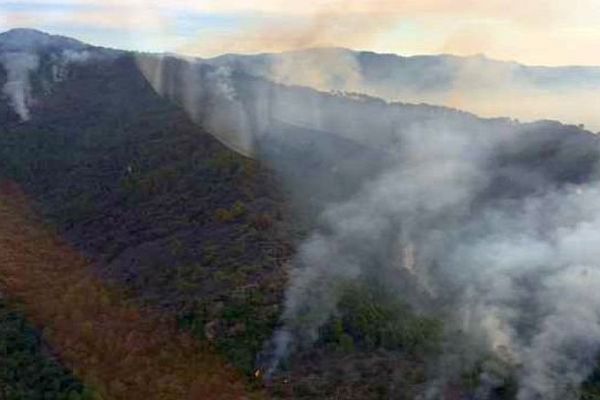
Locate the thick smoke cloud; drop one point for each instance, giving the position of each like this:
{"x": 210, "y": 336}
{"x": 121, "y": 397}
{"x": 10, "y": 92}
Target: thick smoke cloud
{"x": 18, "y": 66}
{"x": 519, "y": 276}
{"x": 488, "y": 225}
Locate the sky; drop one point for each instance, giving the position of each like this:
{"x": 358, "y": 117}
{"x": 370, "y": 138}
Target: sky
{"x": 539, "y": 32}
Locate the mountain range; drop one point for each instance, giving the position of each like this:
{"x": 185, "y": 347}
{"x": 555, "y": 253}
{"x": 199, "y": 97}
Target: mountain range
{"x": 484, "y": 86}
{"x": 299, "y": 196}
{"x": 477, "y": 84}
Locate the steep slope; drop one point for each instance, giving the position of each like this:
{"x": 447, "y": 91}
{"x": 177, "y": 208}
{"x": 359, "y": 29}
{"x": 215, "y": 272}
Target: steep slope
{"x": 161, "y": 208}
{"x": 442, "y": 207}
{"x": 121, "y": 351}
{"x": 156, "y": 202}
{"x": 256, "y": 117}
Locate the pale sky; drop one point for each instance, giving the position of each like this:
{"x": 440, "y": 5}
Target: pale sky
{"x": 542, "y": 32}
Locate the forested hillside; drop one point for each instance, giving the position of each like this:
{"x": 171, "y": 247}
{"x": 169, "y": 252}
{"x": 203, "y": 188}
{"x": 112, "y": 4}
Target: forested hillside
{"x": 162, "y": 211}
{"x": 142, "y": 243}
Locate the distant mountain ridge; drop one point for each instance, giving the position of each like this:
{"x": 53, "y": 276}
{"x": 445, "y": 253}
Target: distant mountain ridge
{"x": 22, "y": 39}
{"x": 478, "y": 84}
{"x": 437, "y": 70}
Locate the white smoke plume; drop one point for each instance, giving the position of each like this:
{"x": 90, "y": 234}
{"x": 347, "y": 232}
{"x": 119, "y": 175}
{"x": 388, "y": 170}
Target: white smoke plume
{"x": 62, "y": 62}
{"x": 78, "y": 56}
{"x": 222, "y": 78}
{"x": 519, "y": 275}
{"x": 18, "y": 66}
{"x": 490, "y": 226}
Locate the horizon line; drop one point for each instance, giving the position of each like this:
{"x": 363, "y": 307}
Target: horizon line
{"x": 301, "y": 49}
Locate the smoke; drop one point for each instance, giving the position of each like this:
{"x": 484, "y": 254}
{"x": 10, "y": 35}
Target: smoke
{"x": 478, "y": 86}
{"x": 207, "y": 95}
{"x": 222, "y": 78}
{"x": 77, "y": 56}
{"x": 489, "y": 226}
{"x": 19, "y": 66}
{"x": 323, "y": 25}
{"x": 62, "y": 62}
{"x": 518, "y": 276}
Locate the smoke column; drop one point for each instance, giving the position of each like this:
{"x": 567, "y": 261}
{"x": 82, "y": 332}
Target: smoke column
{"x": 18, "y": 66}
{"x": 489, "y": 225}
{"x": 517, "y": 274}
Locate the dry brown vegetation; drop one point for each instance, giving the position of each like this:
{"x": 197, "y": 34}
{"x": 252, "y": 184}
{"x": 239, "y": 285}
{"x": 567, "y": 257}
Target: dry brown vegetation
{"x": 121, "y": 351}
